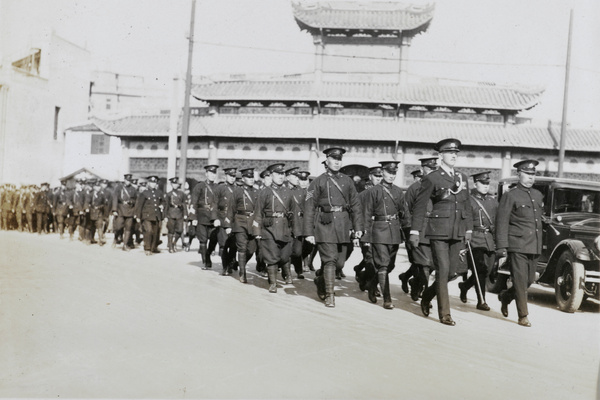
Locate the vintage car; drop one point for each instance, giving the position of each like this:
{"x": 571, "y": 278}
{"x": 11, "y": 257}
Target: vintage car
{"x": 570, "y": 259}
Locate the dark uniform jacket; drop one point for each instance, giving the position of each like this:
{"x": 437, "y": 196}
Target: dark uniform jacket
{"x": 273, "y": 218}
{"x": 203, "y": 201}
{"x": 78, "y": 201}
{"x": 451, "y": 214}
{"x": 483, "y": 227}
{"x": 8, "y": 200}
{"x": 343, "y": 207}
{"x": 175, "y": 205}
{"x": 149, "y": 205}
{"x": 299, "y": 197}
{"x": 383, "y": 207}
{"x": 222, "y": 202}
{"x": 123, "y": 200}
{"x": 97, "y": 204}
{"x": 243, "y": 208}
{"x": 61, "y": 201}
{"x": 519, "y": 221}
{"x": 41, "y": 203}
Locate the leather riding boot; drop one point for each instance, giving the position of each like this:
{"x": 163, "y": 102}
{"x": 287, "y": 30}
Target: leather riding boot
{"x": 206, "y": 263}
{"x": 384, "y": 283}
{"x": 372, "y": 288}
{"x": 175, "y": 240}
{"x": 287, "y": 273}
{"x": 329, "y": 277}
{"x": 272, "y": 273}
{"x": 242, "y": 264}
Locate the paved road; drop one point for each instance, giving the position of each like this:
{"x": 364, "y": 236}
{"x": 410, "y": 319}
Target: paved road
{"x": 84, "y": 321}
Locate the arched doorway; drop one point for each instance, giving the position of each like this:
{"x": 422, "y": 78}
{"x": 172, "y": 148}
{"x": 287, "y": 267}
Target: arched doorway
{"x": 355, "y": 170}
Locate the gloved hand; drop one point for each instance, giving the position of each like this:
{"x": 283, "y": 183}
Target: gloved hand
{"x": 414, "y": 240}
{"x": 310, "y": 239}
{"x": 227, "y": 231}
{"x": 500, "y": 253}
{"x": 217, "y": 223}
{"x": 468, "y": 236}
{"x": 358, "y": 234}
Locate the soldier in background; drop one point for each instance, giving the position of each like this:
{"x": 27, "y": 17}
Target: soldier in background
{"x": 123, "y": 208}
{"x": 222, "y": 232}
{"x": 383, "y": 207}
{"x": 203, "y": 201}
{"x": 420, "y": 258}
{"x": 42, "y": 208}
{"x": 449, "y": 224}
{"x": 189, "y": 226}
{"x": 61, "y": 202}
{"x": 148, "y": 212}
{"x": 77, "y": 210}
{"x": 266, "y": 181}
{"x": 96, "y": 205}
{"x": 7, "y": 205}
{"x": 364, "y": 272}
{"x": 30, "y": 208}
{"x": 20, "y": 207}
{"x": 273, "y": 225}
{"x": 519, "y": 232}
{"x": 307, "y": 247}
{"x": 298, "y": 194}
{"x": 332, "y": 212}
{"x": 108, "y": 195}
{"x": 241, "y": 213}
{"x": 176, "y": 213}
{"x": 484, "y": 207}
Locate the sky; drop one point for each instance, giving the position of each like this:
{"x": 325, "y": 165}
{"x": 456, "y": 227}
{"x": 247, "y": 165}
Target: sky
{"x": 515, "y": 42}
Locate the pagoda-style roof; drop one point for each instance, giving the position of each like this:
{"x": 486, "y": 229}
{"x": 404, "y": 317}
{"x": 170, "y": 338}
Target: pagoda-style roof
{"x": 358, "y": 128}
{"x": 478, "y": 96}
{"x": 363, "y": 16}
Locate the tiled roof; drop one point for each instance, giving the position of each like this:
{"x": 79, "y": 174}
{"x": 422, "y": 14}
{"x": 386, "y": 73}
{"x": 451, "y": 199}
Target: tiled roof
{"x": 363, "y": 15}
{"x": 358, "y": 128}
{"x": 486, "y": 97}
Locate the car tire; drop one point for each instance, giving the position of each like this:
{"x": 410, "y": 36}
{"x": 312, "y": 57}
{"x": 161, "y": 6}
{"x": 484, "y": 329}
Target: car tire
{"x": 496, "y": 282}
{"x": 569, "y": 281}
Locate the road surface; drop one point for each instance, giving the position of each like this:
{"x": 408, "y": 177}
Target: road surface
{"x": 83, "y": 321}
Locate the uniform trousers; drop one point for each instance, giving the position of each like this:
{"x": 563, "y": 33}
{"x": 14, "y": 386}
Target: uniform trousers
{"x": 175, "y": 225}
{"x": 275, "y": 252}
{"x": 484, "y": 262}
{"x": 522, "y": 272}
{"x": 42, "y": 222}
{"x": 245, "y": 243}
{"x": 445, "y": 261}
{"x": 151, "y": 231}
{"x": 204, "y": 232}
{"x": 333, "y": 254}
{"x": 384, "y": 255}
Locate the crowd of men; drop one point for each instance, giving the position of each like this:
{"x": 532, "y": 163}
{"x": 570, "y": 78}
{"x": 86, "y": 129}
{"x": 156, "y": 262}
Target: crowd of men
{"x": 286, "y": 218}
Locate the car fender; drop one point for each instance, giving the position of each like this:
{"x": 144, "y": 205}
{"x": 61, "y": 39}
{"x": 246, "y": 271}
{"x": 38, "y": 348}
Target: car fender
{"x": 576, "y": 247}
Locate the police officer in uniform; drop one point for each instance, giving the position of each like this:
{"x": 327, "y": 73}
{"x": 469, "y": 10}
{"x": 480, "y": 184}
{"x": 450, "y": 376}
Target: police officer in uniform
{"x": 176, "y": 213}
{"x": 96, "y": 205}
{"x": 298, "y": 194}
{"x": 383, "y": 207}
{"x": 273, "y": 225}
{"x": 77, "y": 209}
{"x": 449, "y": 224}
{"x": 223, "y": 197}
{"x": 148, "y": 211}
{"x": 364, "y": 272}
{"x": 484, "y": 207}
{"x": 42, "y": 208}
{"x": 123, "y": 208}
{"x": 242, "y": 213}
{"x": 203, "y": 201}
{"x": 420, "y": 258}
{"x": 332, "y": 214}
{"x": 519, "y": 231}
{"x": 60, "y": 206}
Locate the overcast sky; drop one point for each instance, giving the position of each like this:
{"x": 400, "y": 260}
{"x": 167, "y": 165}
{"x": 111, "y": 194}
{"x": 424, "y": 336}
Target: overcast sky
{"x": 519, "y": 42}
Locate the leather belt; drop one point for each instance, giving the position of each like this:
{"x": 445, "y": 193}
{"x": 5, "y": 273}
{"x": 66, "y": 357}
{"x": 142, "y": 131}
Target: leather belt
{"x": 275, "y": 215}
{"x": 204, "y": 207}
{"x": 481, "y": 229}
{"x": 332, "y": 209}
{"x": 246, "y": 213}
{"x": 384, "y": 217}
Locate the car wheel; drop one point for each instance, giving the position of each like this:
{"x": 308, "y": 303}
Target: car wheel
{"x": 569, "y": 282}
{"x": 495, "y": 281}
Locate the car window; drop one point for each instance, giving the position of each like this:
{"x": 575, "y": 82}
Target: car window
{"x": 576, "y": 200}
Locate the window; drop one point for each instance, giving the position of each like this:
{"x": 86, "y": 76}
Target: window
{"x": 56, "y": 112}
{"x": 246, "y": 148}
{"x": 100, "y": 144}
{"x": 108, "y": 104}
{"x": 295, "y": 148}
{"x": 262, "y": 148}
{"x": 230, "y": 147}
{"x": 139, "y": 147}
{"x": 31, "y": 63}
{"x": 279, "y": 148}
{"x": 154, "y": 147}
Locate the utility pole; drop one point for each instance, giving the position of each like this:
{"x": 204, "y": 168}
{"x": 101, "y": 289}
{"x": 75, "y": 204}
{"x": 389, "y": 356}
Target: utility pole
{"x": 185, "y": 127}
{"x": 563, "y": 125}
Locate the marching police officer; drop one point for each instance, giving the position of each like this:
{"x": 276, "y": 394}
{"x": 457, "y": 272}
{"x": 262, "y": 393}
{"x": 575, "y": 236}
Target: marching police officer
{"x": 449, "y": 224}
{"x": 42, "y": 208}
{"x": 96, "y": 205}
{"x": 242, "y": 213}
{"x": 519, "y": 231}
{"x": 484, "y": 207}
{"x": 223, "y": 197}
{"x": 298, "y": 194}
{"x": 420, "y": 258}
{"x": 148, "y": 211}
{"x": 273, "y": 225}
{"x": 123, "y": 208}
{"x": 203, "y": 201}
{"x": 383, "y": 207}
{"x": 176, "y": 213}
{"x": 61, "y": 201}
{"x": 332, "y": 214}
